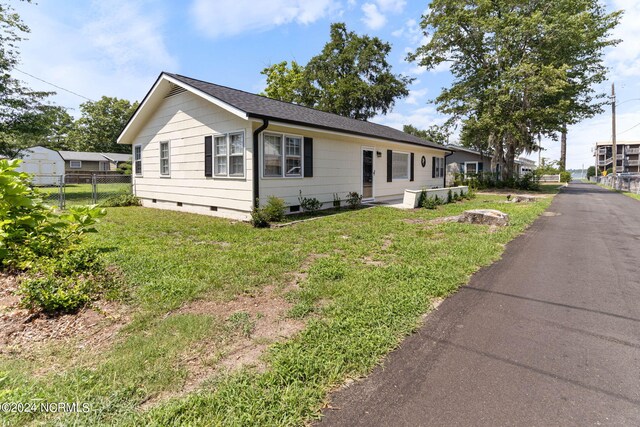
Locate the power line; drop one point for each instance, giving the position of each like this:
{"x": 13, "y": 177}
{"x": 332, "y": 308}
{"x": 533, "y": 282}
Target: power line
{"x": 54, "y": 85}
{"x": 632, "y": 127}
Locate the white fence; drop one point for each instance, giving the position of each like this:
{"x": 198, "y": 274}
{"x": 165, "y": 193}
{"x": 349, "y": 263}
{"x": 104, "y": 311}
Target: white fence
{"x": 550, "y": 178}
{"x": 412, "y": 197}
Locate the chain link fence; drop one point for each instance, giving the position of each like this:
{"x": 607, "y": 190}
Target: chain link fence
{"x": 62, "y": 191}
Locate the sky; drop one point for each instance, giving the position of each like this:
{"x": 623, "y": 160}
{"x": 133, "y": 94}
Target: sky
{"x": 119, "y": 47}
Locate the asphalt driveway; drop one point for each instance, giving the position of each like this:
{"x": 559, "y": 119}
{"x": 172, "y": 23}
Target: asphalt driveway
{"x": 549, "y": 335}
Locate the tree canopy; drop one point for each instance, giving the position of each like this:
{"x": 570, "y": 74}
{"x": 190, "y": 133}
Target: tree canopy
{"x": 435, "y": 133}
{"x": 22, "y": 110}
{"x": 100, "y": 125}
{"x": 521, "y": 68}
{"x": 350, "y": 77}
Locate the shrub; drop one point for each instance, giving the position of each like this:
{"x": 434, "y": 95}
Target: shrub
{"x": 59, "y": 275}
{"x": 430, "y": 202}
{"x": 450, "y": 196}
{"x": 336, "y": 201}
{"x": 309, "y": 204}
{"x": 565, "y": 176}
{"x": 274, "y": 209}
{"x": 354, "y": 199}
{"x": 259, "y": 218}
{"x": 121, "y": 200}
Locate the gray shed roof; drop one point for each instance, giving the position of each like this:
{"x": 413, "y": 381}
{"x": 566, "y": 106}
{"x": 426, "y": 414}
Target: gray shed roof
{"x": 261, "y": 107}
{"x": 87, "y": 156}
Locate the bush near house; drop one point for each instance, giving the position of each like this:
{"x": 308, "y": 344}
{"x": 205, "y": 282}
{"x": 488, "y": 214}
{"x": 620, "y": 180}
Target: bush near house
{"x": 485, "y": 180}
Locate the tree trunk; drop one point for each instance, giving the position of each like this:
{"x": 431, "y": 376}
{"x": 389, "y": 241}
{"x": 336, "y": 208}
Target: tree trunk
{"x": 563, "y": 148}
{"x": 509, "y": 158}
{"x": 497, "y": 159}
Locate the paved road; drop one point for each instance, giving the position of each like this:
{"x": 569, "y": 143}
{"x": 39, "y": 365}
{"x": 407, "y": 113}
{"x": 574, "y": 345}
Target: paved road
{"x": 549, "y": 335}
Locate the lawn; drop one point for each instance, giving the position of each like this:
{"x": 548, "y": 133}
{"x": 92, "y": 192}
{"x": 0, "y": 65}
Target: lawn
{"x": 364, "y": 277}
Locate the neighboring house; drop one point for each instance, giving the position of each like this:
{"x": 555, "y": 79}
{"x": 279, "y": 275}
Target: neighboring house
{"x": 627, "y": 159}
{"x": 467, "y": 161}
{"x": 210, "y": 149}
{"x": 88, "y": 162}
{"x": 45, "y": 164}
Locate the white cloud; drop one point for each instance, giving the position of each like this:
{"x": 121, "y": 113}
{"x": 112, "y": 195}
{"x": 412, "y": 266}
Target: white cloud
{"x": 374, "y": 12}
{"x": 115, "y": 51}
{"x": 625, "y": 57}
{"x": 417, "y": 96}
{"x": 421, "y": 118}
{"x": 372, "y": 17}
{"x": 232, "y": 17}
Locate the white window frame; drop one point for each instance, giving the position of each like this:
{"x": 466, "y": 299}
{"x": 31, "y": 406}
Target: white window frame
{"x": 168, "y": 158}
{"x": 104, "y": 166}
{"x": 466, "y": 171}
{"x": 402, "y": 178}
{"x": 227, "y": 155}
{"x": 137, "y": 171}
{"x": 283, "y": 157}
{"x": 75, "y": 162}
{"x": 440, "y": 172}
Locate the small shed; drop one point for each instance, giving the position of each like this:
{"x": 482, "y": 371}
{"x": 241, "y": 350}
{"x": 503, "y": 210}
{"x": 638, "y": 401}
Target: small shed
{"x": 46, "y": 165}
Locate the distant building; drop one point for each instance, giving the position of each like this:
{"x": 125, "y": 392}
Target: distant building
{"x": 83, "y": 162}
{"x": 627, "y": 159}
{"x": 467, "y": 161}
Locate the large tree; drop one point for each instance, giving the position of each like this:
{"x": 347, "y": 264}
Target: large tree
{"x": 350, "y": 77}
{"x": 100, "y": 125}
{"x": 21, "y": 109}
{"x": 521, "y": 67}
{"x": 434, "y": 133}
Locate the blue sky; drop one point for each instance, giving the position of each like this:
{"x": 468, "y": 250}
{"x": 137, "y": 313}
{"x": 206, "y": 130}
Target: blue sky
{"x": 118, "y": 48}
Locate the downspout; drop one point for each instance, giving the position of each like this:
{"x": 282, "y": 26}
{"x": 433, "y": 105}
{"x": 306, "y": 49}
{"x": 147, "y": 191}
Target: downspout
{"x": 256, "y": 162}
{"x": 445, "y": 169}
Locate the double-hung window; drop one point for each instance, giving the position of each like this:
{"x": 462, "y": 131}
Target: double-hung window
{"x": 293, "y": 156}
{"x": 282, "y": 155}
{"x": 165, "y": 169}
{"x": 228, "y": 153}
{"x": 400, "y": 165}
{"x": 439, "y": 167}
{"x": 75, "y": 164}
{"x": 137, "y": 159}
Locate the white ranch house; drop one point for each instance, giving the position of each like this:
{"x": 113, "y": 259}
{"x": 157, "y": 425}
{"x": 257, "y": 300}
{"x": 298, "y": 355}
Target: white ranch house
{"x": 209, "y": 149}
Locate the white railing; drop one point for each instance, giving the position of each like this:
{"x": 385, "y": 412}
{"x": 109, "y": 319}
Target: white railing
{"x": 550, "y": 178}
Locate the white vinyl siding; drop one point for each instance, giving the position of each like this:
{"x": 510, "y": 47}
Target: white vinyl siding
{"x": 137, "y": 159}
{"x": 75, "y": 164}
{"x": 400, "y": 165}
{"x": 165, "y": 168}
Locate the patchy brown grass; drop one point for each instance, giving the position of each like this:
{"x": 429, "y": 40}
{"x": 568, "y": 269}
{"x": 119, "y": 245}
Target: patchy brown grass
{"x": 25, "y": 333}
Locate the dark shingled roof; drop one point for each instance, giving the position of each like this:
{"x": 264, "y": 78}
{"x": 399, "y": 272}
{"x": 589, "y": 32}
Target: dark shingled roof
{"x": 258, "y": 106}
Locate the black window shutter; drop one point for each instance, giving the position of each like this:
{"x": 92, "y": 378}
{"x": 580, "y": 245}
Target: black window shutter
{"x": 389, "y": 165}
{"x": 208, "y": 156}
{"x": 433, "y": 167}
{"x": 480, "y": 166}
{"x": 412, "y": 166}
{"x": 308, "y": 157}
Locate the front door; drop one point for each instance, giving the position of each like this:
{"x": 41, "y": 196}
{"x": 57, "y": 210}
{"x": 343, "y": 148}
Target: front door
{"x": 367, "y": 173}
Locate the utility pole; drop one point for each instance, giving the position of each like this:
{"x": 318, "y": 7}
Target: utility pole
{"x": 614, "y": 149}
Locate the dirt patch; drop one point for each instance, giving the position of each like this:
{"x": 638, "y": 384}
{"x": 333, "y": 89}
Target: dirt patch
{"x": 23, "y": 332}
{"x": 264, "y": 311}
{"x": 370, "y": 261}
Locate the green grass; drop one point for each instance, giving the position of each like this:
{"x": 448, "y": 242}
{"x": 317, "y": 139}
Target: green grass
{"x": 356, "y": 312}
